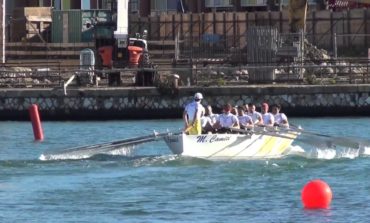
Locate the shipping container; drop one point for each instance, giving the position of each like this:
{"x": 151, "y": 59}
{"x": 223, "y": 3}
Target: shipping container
{"x": 89, "y": 19}
{"x": 66, "y": 26}
{"x": 73, "y": 26}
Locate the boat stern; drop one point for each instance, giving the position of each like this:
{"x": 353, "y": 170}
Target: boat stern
{"x": 175, "y": 143}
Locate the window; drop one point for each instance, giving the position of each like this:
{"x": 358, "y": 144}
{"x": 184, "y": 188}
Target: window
{"x": 57, "y": 4}
{"x": 106, "y": 4}
{"x": 218, "y": 3}
{"x": 134, "y": 5}
{"x": 309, "y": 2}
{"x": 251, "y": 3}
{"x": 158, "y": 5}
{"x": 85, "y": 4}
{"x": 284, "y": 2}
{"x": 163, "y": 5}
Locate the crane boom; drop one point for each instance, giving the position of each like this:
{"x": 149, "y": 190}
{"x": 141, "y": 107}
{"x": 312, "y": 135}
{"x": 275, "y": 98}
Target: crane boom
{"x": 297, "y": 15}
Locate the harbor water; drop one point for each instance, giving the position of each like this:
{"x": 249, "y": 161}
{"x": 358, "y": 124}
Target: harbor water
{"x": 146, "y": 183}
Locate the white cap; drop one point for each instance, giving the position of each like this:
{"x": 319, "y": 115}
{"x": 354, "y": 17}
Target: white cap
{"x": 198, "y": 96}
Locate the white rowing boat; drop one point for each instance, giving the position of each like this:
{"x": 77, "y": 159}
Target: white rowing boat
{"x": 232, "y": 146}
{"x": 259, "y": 143}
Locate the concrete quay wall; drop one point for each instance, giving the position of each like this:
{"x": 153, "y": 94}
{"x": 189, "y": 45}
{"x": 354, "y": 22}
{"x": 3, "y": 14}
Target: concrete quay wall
{"x": 149, "y": 103}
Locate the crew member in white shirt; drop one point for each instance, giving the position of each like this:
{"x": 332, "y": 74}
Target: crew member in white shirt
{"x": 192, "y": 115}
{"x": 226, "y": 120}
{"x": 210, "y": 113}
{"x": 256, "y": 116}
{"x": 245, "y": 121}
{"x": 208, "y": 120}
{"x": 280, "y": 118}
{"x": 267, "y": 117}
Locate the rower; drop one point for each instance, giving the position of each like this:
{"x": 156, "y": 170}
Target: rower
{"x": 226, "y": 120}
{"x": 280, "y": 118}
{"x": 208, "y": 120}
{"x": 256, "y": 116}
{"x": 210, "y": 114}
{"x": 267, "y": 117}
{"x": 245, "y": 121}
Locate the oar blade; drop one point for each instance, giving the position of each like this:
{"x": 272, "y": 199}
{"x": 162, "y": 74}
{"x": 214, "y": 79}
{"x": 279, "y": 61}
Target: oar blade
{"x": 343, "y": 141}
{"x": 84, "y": 152}
{"x": 311, "y": 138}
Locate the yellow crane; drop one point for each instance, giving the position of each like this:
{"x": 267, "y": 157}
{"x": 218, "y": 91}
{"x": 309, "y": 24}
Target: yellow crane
{"x": 297, "y": 15}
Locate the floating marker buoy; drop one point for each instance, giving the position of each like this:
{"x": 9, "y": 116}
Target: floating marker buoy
{"x": 316, "y": 194}
{"x": 36, "y": 123}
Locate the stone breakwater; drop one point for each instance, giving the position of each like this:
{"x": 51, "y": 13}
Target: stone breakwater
{"x": 145, "y": 103}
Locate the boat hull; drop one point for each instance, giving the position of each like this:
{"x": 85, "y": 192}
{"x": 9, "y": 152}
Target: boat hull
{"x": 230, "y": 146}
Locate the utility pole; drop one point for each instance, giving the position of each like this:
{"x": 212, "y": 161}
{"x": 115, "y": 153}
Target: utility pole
{"x": 3, "y": 31}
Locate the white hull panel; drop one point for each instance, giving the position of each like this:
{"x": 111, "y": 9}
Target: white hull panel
{"x": 230, "y": 146}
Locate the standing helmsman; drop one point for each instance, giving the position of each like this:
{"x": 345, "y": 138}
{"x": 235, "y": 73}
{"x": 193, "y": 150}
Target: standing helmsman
{"x": 192, "y": 114}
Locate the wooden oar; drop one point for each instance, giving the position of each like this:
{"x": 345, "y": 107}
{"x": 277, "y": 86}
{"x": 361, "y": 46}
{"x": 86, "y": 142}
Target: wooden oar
{"x": 318, "y": 139}
{"x": 351, "y": 142}
{"x": 269, "y": 133}
{"x": 110, "y": 146}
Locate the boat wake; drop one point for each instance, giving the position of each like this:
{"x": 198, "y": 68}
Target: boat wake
{"x": 366, "y": 151}
{"x": 295, "y": 150}
{"x": 314, "y": 151}
{"x": 123, "y": 157}
{"x": 77, "y": 154}
{"x": 328, "y": 153}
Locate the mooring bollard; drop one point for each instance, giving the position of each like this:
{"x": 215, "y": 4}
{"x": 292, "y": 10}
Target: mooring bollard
{"x": 36, "y": 123}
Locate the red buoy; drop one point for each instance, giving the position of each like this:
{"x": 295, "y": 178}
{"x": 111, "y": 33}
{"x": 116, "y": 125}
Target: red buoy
{"x": 316, "y": 194}
{"x": 36, "y": 123}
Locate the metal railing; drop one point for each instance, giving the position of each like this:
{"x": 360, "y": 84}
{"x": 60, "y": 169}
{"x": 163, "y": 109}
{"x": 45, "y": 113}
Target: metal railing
{"x": 349, "y": 71}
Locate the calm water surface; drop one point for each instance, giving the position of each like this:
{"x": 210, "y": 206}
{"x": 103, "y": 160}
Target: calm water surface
{"x": 151, "y": 185}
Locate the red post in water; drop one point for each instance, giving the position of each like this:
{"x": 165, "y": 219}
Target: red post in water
{"x": 36, "y": 123}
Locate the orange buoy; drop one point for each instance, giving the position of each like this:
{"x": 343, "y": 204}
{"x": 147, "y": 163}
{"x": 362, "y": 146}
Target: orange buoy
{"x": 316, "y": 194}
{"x": 36, "y": 123}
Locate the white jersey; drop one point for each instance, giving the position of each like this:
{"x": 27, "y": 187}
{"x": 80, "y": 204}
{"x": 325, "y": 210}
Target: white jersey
{"x": 204, "y": 120}
{"x": 280, "y": 117}
{"x": 214, "y": 118}
{"x": 268, "y": 118}
{"x": 256, "y": 116}
{"x": 191, "y": 108}
{"x": 211, "y": 119}
{"x": 227, "y": 120}
{"x": 245, "y": 120}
